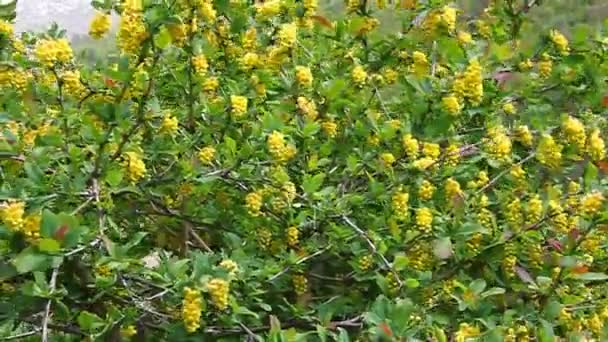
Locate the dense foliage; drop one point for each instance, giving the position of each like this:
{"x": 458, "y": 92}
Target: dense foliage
{"x": 259, "y": 172}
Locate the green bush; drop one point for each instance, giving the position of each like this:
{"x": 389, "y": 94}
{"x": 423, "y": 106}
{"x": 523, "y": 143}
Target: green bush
{"x": 260, "y": 172}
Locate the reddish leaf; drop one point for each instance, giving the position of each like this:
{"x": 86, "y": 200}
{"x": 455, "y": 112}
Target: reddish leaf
{"x": 574, "y": 234}
{"x": 109, "y": 82}
{"x": 555, "y": 244}
{"x": 386, "y": 329}
{"x": 603, "y": 165}
{"x": 605, "y": 101}
{"x": 322, "y": 21}
{"x": 580, "y": 269}
{"x": 60, "y": 233}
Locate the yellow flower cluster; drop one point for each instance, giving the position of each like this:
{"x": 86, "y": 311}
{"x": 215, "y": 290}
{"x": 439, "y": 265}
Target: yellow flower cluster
{"x": 545, "y": 66}
{"x": 424, "y": 219}
{"x": 219, "y": 290}
{"x": 206, "y": 155}
{"x": 169, "y": 125}
{"x": 387, "y": 159}
{"x": 523, "y": 135}
{"x": 238, "y": 105}
{"x": 100, "y": 25}
{"x": 534, "y": 209}
{"x": 253, "y": 202}
{"x": 128, "y": 331}
{"x": 400, "y": 207}
{"x": 548, "y": 152}
{"x": 574, "y": 131}
{"x": 411, "y": 146}
{"x": 365, "y": 262}
{"x": 136, "y": 168}
{"x": 560, "y": 41}
{"x": 498, "y": 144}
{"x": 280, "y": 150}
{"x": 288, "y": 34}
{"x": 191, "y": 309}
{"x": 420, "y": 64}
{"x": 12, "y": 214}
{"x": 6, "y": 28}
{"x": 330, "y": 128}
{"x": 304, "y": 76}
{"x": 31, "y": 227}
{"x": 132, "y": 30}
{"x": 267, "y": 9}
{"x": 592, "y": 203}
{"x": 426, "y": 190}
{"x": 231, "y": 266}
{"x": 293, "y": 236}
{"x": 596, "y": 146}
{"x": 200, "y": 64}
{"x": 469, "y": 84}
{"x": 451, "y": 105}
{"x": 51, "y": 51}
{"x": 359, "y": 75}
{"x": 300, "y": 284}
{"x": 308, "y": 108}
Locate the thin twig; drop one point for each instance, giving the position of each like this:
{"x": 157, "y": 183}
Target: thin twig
{"x": 304, "y": 259}
{"x": 198, "y": 239}
{"x": 47, "y": 309}
{"x": 373, "y": 247}
{"x": 82, "y": 206}
{"x": 22, "y": 335}
{"x": 502, "y": 173}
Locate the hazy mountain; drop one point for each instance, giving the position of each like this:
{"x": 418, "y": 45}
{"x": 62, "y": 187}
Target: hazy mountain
{"x": 72, "y": 15}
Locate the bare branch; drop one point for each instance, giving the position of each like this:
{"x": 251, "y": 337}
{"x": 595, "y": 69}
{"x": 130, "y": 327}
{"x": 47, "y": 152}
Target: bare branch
{"x": 504, "y": 172}
{"x": 373, "y": 248}
{"x": 304, "y": 259}
{"x": 47, "y": 309}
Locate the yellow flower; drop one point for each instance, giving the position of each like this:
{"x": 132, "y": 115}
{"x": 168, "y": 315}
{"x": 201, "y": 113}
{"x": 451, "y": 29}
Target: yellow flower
{"x": 596, "y": 146}
{"x": 451, "y": 105}
{"x": 191, "y": 309}
{"x": 300, "y": 284}
{"x": 128, "y": 331}
{"x": 448, "y": 17}
{"x": 411, "y": 146}
{"x": 12, "y": 214}
{"x": 452, "y": 188}
{"x": 100, "y": 25}
{"x": 464, "y": 37}
{"x": 574, "y": 130}
{"x": 359, "y": 75}
{"x": 136, "y": 169}
{"x": 498, "y": 144}
{"x": 592, "y": 203}
{"x": 231, "y": 266}
{"x": 200, "y": 64}
{"x": 308, "y": 108}
{"x": 426, "y": 190}
{"x": 509, "y": 108}
{"x": 545, "y": 66}
{"x": 303, "y": 76}
{"x": 51, "y": 51}
{"x": 431, "y": 150}
{"x": 169, "y": 125}
{"x": 6, "y": 28}
{"x": 238, "y": 105}
{"x": 387, "y": 159}
{"x": 421, "y": 63}
{"x": 523, "y": 135}
{"x": 253, "y": 202}
{"x": 400, "y": 204}
{"x": 548, "y": 152}
{"x": 206, "y": 155}
{"x": 330, "y": 128}
{"x": 424, "y": 219}
{"x": 31, "y": 226}
{"x": 288, "y": 34}
{"x": 469, "y": 84}
{"x": 219, "y": 291}
{"x": 132, "y": 30}
{"x": 267, "y": 9}
{"x": 293, "y": 236}
{"x": 560, "y": 41}
{"x": 211, "y": 84}
{"x": 280, "y": 150}
{"x": 465, "y": 331}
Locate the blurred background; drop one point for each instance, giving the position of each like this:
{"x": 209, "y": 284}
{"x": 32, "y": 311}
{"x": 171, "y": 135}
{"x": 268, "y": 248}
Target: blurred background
{"x": 569, "y": 16}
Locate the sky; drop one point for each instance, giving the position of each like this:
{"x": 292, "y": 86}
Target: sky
{"x": 72, "y": 15}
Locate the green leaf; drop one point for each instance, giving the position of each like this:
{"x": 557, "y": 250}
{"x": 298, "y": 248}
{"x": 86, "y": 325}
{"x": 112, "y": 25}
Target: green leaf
{"x": 28, "y": 260}
{"x": 546, "y": 333}
{"x": 590, "y": 174}
{"x": 312, "y": 183}
{"x": 163, "y": 38}
{"x": 48, "y": 224}
{"x": 49, "y": 245}
{"x": 114, "y": 176}
{"x": 477, "y": 286}
{"x": 493, "y": 292}
{"x": 400, "y": 262}
{"x": 310, "y": 129}
{"x": 343, "y": 336}
{"x": 89, "y": 321}
{"x": 412, "y": 283}
{"x": 590, "y": 276}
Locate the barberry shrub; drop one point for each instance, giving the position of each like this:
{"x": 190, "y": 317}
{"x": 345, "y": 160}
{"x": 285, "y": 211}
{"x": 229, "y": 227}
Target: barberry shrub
{"x": 261, "y": 172}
